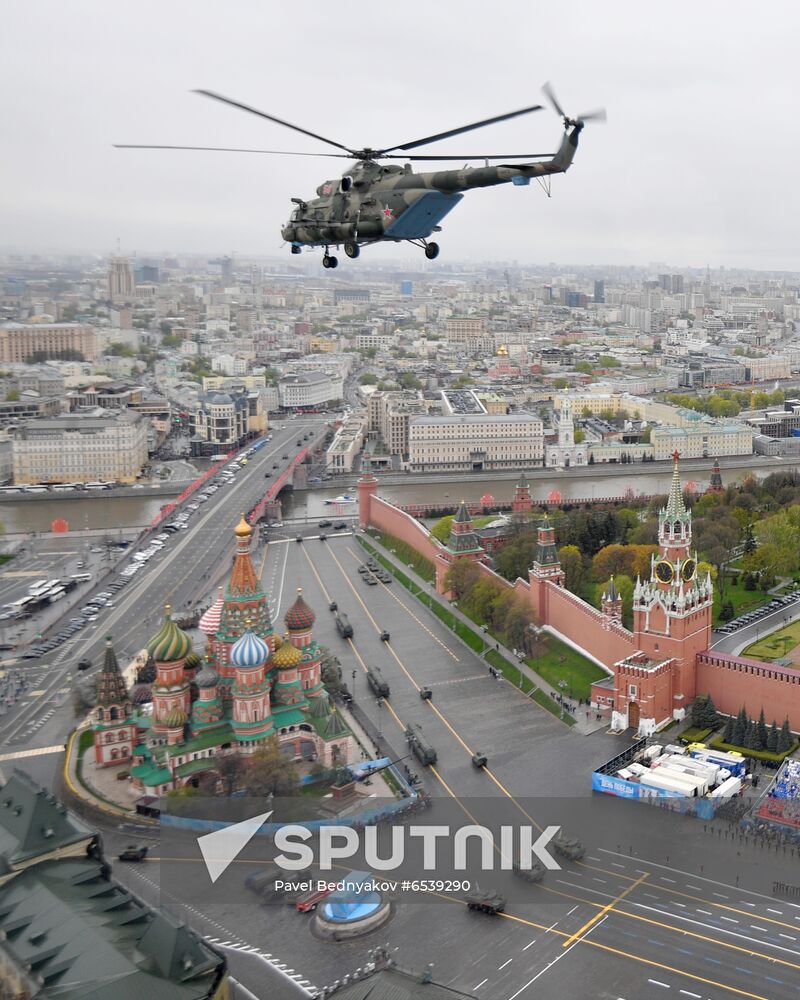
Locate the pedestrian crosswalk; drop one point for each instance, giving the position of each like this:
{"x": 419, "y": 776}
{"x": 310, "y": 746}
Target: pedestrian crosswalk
{"x": 37, "y": 752}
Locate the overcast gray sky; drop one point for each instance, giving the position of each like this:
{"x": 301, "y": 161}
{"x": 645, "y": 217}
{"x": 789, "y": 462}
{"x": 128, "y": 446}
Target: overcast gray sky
{"x": 698, "y": 163}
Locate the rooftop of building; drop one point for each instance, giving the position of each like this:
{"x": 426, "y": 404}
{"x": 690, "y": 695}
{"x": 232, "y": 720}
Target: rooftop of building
{"x": 87, "y": 936}
{"x": 484, "y": 418}
{"x": 33, "y": 822}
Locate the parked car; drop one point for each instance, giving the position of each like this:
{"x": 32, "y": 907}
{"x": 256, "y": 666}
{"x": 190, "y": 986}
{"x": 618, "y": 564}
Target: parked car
{"x": 84, "y": 664}
{"x": 133, "y": 853}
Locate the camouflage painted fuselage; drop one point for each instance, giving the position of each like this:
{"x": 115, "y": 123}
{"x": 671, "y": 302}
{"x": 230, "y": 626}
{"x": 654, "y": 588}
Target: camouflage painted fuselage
{"x": 374, "y": 201}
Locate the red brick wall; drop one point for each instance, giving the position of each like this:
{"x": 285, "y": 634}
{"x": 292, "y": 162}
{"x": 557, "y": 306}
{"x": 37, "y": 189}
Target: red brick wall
{"x": 386, "y": 517}
{"x": 736, "y": 681}
{"x": 586, "y": 627}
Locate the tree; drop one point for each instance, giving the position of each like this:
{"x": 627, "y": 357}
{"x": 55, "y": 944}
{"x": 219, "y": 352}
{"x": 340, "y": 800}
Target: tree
{"x": 227, "y": 774}
{"x": 368, "y": 379}
{"x": 574, "y": 567}
{"x": 579, "y": 436}
{"x": 479, "y": 600}
{"x": 727, "y": 732}
{"x": 727, "y": 612}
{"x": 740, "y": 728}
{"x": 606, "y": 361}
{"x": 408, "y": 380}
{"x": 270, "y": 772}
{"x": 171, "y": 340}
{"x": 784, "y": 737}
{"x": 12, "y": 396}
{"x": 461, "y": 576}
{"x": 751, "y": 741}
{"x": 772, "y": 737}
{"x": 441, "y": 530}
{"x": 698, "y": 712}
{"x": 749, "y": 539}
{"x": 763, "y": 736}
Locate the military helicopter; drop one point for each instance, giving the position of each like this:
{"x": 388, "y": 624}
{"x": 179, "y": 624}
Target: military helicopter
{"x": 375, "y": 202}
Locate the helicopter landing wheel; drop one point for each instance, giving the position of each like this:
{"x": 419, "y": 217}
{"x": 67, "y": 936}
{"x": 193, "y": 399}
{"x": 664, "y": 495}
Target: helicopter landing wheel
{"x": 330, "y": 261}
{"x": 431, "y": 251}
{"x": 352, "y": 250}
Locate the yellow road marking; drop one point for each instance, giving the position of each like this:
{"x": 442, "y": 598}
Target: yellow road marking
{"x": 408, "y": 610}
{"x": 606, "y": 909}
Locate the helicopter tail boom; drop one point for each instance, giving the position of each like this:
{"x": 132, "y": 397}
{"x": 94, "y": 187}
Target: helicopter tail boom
{"x": 560, "y": 163}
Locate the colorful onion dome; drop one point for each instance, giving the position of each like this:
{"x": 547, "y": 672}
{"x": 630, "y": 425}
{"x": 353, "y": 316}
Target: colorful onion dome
{"x": 193, "y": 660}
{"x": 243, "y": 529}
{"x": 170, "y": 643}
{"x": 299, "y": 617}
{"x": 249, "y": 650}
{"x": 210, "y": 619}
{"x": 287, "y": 656}
{"x": 207, "y": 678}
{"x": 277, "y": 641}
{"x": 177, "y": 717}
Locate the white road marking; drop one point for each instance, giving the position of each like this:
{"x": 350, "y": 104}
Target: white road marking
{"x": 529, "y": 944}
{"x": 558, "y": 958}
{"x": 655, "y": 982}
{"x": 480, "y": 984}
{"x": 499, "y": 967}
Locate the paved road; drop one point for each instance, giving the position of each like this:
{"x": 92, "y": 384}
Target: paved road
{"x": 189, "y": 567}
{"x": 652, "y": 907}
{"x": 635, "y": 921}
{"x": 736, "y": 641}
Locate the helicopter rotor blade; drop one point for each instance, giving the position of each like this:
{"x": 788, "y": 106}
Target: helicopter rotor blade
{"x": 598, "y": 115}
{"x": 464, "y": 159}
{"x": 228, "y": 149}
{"x": 464, "y": 128}
{"x": 550, "y": 94}
{"x": 271, "y": 118}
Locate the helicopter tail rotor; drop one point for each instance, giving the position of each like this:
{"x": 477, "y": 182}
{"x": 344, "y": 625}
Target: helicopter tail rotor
{"x": 598, "y": 115}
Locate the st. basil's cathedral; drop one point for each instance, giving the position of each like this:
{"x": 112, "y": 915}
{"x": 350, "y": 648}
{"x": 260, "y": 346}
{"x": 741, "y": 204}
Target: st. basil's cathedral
{"x": 250, "y": 686}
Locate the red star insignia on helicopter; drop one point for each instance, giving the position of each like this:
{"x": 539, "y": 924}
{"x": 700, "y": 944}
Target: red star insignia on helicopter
{"x": 388, "y": 213}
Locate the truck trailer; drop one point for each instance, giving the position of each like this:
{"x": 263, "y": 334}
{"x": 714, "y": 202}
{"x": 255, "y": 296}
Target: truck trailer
{"x": 665, "y": 782}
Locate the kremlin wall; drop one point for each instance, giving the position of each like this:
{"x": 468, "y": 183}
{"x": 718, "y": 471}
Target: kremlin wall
{"x": 654, "y": 671}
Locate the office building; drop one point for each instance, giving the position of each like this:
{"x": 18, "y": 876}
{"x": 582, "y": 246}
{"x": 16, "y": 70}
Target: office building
{"x": 81, "y": 449}
{"x": 310, "y": 389}
{"x": 475, "y": 443}
{"x": 120, "y": 279}
{"x": 26, "y": 342}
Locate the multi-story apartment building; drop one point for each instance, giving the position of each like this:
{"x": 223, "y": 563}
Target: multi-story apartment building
{"x": 469, "y": 333}
{"x": 310, "y": 389}
{"x": 389, "y": 414}
{"x": 80, "y": 449}
{"x": 709, "y": 439}
{"x": 19, "y": 342}
{"x": 120, "y": 279}
{"x": 475, "y": 443}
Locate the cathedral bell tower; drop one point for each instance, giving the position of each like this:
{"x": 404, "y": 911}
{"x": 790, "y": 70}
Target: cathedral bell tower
{"x": 672, "y": 610}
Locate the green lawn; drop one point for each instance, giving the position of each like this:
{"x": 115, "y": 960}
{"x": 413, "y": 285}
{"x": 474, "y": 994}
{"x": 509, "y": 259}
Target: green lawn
{"x": 422, "y": 567}
{"x": 560, "y": 662}
{"x": 776, "y": 645}
{"x": 741, "y": 599}
{"x": 512, "y": 673}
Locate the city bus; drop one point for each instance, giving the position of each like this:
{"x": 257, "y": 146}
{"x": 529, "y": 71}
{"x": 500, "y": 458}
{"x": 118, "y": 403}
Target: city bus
{"x": 63, "y": 487}
{"x": 36, "y": 585}
{"x": 43, "y": 589}
{"x": 81, "y": 577}
{"x": 99, "y": 485}
{"x": 22, "y": 607}
{"x": 56, "y": 594}
{"x": 7, "y": 490}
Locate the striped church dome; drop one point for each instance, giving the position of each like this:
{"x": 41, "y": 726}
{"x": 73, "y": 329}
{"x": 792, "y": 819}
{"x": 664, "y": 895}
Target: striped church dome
{"x": 249, "y": 650}
{"x": 177, "y": 717}
{"x": 210, "y": 619}
{"x": 170, "y": 643}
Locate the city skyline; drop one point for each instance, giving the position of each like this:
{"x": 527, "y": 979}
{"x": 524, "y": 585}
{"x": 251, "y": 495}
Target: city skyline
{"x": 678, "y": 174}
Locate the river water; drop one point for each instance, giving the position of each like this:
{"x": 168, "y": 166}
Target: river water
{"x": 107, "y": 512}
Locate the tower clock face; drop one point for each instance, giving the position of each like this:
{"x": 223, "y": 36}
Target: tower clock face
{"x": 688, "y": 570}
{"x": 664, "y": 571}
